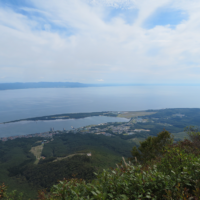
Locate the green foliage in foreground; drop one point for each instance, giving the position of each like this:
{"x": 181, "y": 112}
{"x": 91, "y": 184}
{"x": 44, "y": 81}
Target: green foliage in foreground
{"x": 174, "y": 175}
{"x": 14, "y": 195}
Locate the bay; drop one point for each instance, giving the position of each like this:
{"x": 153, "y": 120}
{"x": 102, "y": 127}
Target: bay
{"x": 27, "y": 103}
{"x": 30, "y": 127}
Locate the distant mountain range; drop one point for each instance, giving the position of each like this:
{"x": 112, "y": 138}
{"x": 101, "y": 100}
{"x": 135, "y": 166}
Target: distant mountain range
{"x": 18, "y": 85}
{"x": 12, "y": 86}
{"x": 28, "y": 85}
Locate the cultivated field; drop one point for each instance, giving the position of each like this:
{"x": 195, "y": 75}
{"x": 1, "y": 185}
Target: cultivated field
{"x": 62, "y": 158}
{"x": 37, "y": 151}
{"x": 131, "y": 114}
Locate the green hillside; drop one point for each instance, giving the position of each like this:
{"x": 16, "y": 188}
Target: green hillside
{"x": 20, "y": 171}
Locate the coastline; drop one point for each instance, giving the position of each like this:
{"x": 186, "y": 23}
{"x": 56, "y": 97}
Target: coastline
{"x": 28, "y": 127}
{"x": 66, "y": 116}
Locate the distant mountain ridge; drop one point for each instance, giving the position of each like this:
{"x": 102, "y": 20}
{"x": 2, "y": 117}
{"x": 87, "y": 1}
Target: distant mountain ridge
{"x": 29, "y": 85}
{"x": 18, "y": 85}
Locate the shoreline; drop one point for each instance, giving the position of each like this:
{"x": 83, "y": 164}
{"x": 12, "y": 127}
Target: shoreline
{"x": 65, "y": 116}
{"x": 120, "y": 114}
{"x": 68, "y": 124}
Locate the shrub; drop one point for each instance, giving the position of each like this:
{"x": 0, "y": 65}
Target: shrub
{"x": 14, "y": 195}
{"x": 194, "y": 135}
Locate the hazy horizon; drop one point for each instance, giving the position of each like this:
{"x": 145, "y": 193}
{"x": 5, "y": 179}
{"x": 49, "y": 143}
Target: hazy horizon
{"x": 108, "y": 84}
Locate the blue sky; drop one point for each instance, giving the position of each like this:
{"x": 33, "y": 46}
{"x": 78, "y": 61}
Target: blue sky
{"x": 100, "y": 41}
{"x": 128, "y": 15}
{"x": 166, "y": 16}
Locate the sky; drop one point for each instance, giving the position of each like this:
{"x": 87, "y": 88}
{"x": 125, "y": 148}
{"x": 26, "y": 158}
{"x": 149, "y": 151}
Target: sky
{"x": 100, "y": 41}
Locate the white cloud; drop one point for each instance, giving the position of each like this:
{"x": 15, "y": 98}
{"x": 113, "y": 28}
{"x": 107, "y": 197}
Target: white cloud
{"x": 70, "y": 40}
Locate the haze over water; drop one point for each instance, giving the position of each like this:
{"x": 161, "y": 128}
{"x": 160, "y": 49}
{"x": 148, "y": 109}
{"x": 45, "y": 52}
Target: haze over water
{"x": 20, "y": 104}
{"x": 26, "y": 103}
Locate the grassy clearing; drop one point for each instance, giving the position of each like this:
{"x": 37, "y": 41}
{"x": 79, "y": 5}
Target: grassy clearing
{"x": 62, "y": 158}
{"x": 131, "y": 114}
{"x": 39, "y": 141}
{"x": 37, "y": 151}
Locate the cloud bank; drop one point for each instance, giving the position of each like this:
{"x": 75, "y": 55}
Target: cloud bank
{"x": 92, "y": 41}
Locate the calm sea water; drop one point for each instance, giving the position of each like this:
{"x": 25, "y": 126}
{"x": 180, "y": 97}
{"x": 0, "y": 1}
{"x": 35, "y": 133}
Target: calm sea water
{"x": 20, "y": 104}
{"x": 28, "y": 127}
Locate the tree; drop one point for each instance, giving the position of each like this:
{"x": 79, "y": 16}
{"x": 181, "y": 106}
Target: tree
{"x": 194, "y": 135}
{"x": 152, "y": 147}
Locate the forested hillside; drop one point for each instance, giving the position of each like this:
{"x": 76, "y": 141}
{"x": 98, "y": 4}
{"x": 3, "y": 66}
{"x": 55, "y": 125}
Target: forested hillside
{"x": 65, "y": 157}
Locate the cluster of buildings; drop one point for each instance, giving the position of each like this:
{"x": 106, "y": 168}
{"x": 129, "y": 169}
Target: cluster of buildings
{"x": 108, "y": 130}
{"x": 178, "y": 115}
{"x": 123, "y": 128}
{"x": 44, "y": 134}
{"x": 119, "y": 129}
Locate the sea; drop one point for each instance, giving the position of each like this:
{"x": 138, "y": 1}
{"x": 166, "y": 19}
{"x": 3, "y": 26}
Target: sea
{"x": 28, "y": 103}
